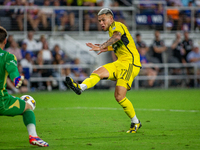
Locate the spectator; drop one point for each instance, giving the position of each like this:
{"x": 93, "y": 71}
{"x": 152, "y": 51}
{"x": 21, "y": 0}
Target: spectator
{"x": 187, "y": 45}
{"x": 13, "y": 49}
{"x": 35, "y": 16}
{"x": 140, "y": 44}
{"x": 197, "y": 20}
{"x": 170, "y": 23}
{"x": 31, "y": 43}
{"x": 43, "y": 72}
{"x": 45, "y": 53}
{"x": 159, "y": 9}
{"x": 178, "y": 50}
{"x": 41, "y": 42}
{"x": 176, "y": 2}
{"x": 173, "y": 16}
{"x": 147, "y": 7}
{"x": 177, "y": 57}
{"x": 90, "y": 17}
{"x": 7, "y": 4}
{"x": 158, "y": 47}
{"x": 186, "y": 18}
{"x": 194, "y": 56}
{"x": 19, "y": 13}
{"x": 24, "y": 50}
{"x": 9, "y": 40}
{"x": 149, "y": 72}
{"x": 27, "y": 63}
{"x": 57, "y": 50}
{"x": 46, "y": 13}
{"x": 57, "y": 59}
{"x": 63, "y": 17}
{"x": 118, "y": 14}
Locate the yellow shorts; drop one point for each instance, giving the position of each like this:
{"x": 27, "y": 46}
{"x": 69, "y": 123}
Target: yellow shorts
{"x": 123, "y": 72}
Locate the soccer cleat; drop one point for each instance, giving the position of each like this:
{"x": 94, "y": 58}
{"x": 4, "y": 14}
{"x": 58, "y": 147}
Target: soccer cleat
{"x": 134, "y": 127}
{"x": 35, "y": 140}
{"x": 73, "y": 85}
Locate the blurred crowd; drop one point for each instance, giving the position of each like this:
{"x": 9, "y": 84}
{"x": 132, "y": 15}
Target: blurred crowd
{"x": 30, "y": 52}
{"x": 40, "y": 18}
{"x": 182, "y": 50}
{"x": 179, "y": 15}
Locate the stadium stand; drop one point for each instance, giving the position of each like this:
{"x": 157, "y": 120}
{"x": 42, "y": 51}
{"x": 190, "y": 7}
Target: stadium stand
{"x": 59, "y": 30}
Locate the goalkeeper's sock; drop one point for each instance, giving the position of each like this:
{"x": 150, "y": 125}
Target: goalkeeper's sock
{"x": 29, "y": 121}
{"x": 128, "y": 107}
{"x": 91, "y": 81}
{"x": 31, "y": 129}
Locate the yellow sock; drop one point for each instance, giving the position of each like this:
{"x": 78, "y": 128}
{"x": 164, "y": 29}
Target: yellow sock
{"x": 128, "y": 107}
{"x": 92, "y": 80}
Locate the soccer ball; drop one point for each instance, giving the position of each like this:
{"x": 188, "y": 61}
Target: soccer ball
{"x": 30, "y": 100}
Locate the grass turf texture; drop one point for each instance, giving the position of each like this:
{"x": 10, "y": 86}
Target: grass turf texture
{"x": 94, "y": 120}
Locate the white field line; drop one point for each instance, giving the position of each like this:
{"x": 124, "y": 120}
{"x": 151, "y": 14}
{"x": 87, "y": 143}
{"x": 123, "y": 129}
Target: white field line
{"x": 108, "y": 108}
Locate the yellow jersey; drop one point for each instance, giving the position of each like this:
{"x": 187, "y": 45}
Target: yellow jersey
{"x": 124, "y": 49}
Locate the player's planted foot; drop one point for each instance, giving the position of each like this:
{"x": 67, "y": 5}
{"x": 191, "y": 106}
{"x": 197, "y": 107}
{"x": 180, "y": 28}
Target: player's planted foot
{"x": 37, "y": 141}
{"x": 73, "y": 85}
{"x": 134, "y": 127}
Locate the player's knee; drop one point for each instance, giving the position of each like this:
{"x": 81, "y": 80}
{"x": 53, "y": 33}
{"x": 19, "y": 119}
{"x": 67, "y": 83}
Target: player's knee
{"x": 118, "y": 96}
{"x": 28, "y": 106}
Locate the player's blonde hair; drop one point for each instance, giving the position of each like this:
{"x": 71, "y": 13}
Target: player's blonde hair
{"x": 105, "y": 11}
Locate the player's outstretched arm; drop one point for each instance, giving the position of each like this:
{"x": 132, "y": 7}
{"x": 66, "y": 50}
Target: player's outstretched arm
{"x": 104, "y": 47}
{"x": 115, "y": 37}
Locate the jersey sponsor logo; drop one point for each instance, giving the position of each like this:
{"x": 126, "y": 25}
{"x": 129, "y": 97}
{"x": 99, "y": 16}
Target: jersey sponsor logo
{"x": 117, "y": 45}
{"x": 12, "y": 61}
{"x": 1, "y": 54}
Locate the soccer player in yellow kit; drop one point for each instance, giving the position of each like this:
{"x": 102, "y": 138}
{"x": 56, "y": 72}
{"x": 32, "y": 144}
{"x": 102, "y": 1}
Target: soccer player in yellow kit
{"x": 124, "y": 70}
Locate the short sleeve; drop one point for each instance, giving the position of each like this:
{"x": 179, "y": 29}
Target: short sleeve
{"x": 116, "y": 27}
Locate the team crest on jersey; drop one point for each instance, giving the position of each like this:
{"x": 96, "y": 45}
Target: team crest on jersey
{"x": 1, "y": 54}
{"x": 114, "y": 28}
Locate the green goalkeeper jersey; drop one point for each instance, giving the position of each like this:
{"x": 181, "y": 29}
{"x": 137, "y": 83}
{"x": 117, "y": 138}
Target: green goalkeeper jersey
{"x": 8, "y": 66}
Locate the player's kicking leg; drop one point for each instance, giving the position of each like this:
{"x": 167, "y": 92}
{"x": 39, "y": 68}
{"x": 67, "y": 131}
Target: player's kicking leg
{"x": 73, "y": 85}
{"x": 86, "y": 84}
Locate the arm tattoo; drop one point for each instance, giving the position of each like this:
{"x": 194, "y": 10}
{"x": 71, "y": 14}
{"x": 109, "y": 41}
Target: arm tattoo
{"x": 111, "y": 41}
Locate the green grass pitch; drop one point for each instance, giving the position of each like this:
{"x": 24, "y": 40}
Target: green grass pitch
{"x": 94, "y": 120}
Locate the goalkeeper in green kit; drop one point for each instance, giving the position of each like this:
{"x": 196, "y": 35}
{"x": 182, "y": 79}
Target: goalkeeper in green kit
{"x": 10, "y": 105}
